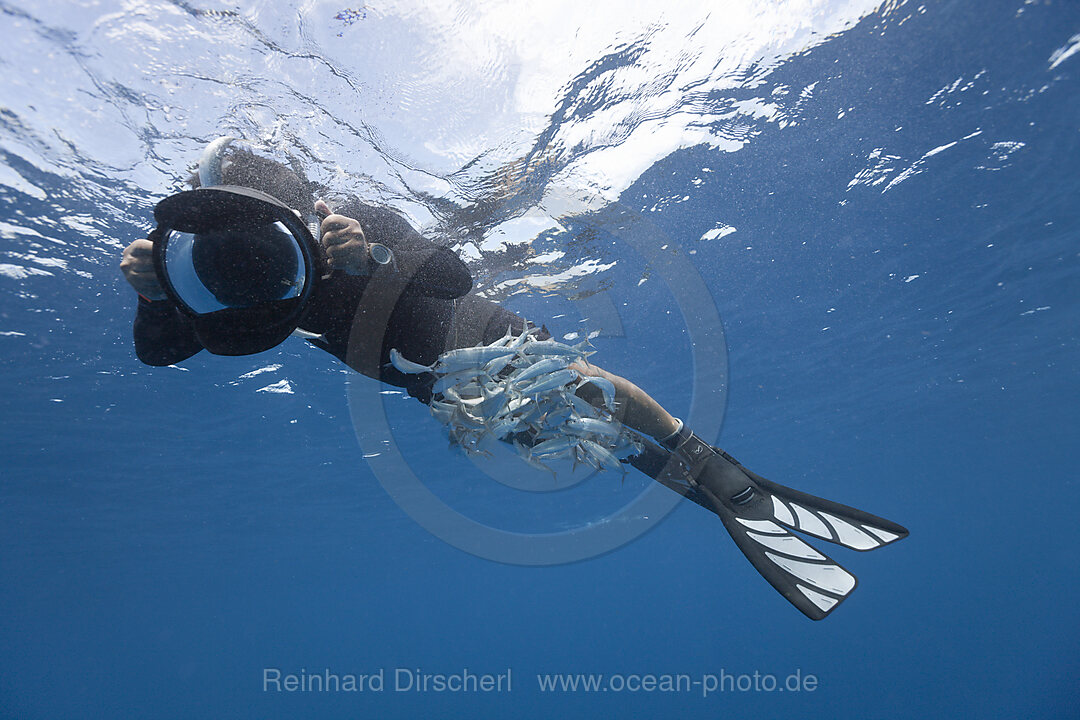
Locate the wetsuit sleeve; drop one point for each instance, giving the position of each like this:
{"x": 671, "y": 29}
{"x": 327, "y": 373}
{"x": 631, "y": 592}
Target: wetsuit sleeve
{"x": 432, "y": 270}
{"x": 163, "y": 335}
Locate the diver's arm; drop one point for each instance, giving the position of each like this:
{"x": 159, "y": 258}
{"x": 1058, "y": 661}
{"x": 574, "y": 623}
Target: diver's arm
{"x": 163, "y": 335}
{"x": 431, "y": 270}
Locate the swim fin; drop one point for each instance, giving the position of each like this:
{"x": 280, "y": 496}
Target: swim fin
{"x": 760, "y": 514}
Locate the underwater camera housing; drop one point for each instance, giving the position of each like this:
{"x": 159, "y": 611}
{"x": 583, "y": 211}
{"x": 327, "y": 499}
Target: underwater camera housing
{"x": 239, "y": 263}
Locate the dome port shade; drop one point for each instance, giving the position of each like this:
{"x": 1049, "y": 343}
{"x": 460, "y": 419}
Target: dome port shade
{"x": 221, "y": 208}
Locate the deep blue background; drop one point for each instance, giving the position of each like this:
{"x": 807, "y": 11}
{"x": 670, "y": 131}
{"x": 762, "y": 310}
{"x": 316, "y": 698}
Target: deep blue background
{"x": 165, "y": 535}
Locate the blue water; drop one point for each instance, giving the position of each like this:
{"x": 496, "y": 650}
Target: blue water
{"x": 899, "y": 301}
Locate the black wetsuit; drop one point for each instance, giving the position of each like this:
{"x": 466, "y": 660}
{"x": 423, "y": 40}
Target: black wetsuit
{"x": 421, "y": 308}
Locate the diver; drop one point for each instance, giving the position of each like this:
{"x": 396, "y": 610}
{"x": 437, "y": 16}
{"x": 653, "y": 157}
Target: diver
{"x": 234, "y": 267}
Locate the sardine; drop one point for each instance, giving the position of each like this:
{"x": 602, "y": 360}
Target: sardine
{"x": 552, "y": 381}
{"x": 455, "y": 378}
{"x": 442, "y": 411}
{"x": 505, "y": 339}
{"x": 602, "y": 456}
{"x": 554, "y": 446}
{"x": 607, "y": 388}
{"x": 553, "y": 347}
{"x": 538, "y": 368}
{"x": 305, "y": 335}
{"x": 497, "y": 365}
{"x": 406, "y": 366}
{"x": 593, "y": 426}
{"x": 469, "y": 357}
{"x": 582, "y": 406}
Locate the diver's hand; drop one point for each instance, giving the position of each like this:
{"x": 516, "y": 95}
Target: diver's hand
{"x": 138, "y": 268}
{"x": 344, "y": 240}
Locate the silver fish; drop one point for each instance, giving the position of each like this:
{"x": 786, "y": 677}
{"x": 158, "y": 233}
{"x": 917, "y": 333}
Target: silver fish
{"x": 526, "y": 333}
{"x": 504, "y": 426}
{"x": 627, "y": 446}
{"x": 558, "y": 416}
{"x": 454, "y": 378}
{"x": 527, "y": 456}
{"x": 442, "y": 411}
{"x": 538, "y": 368}
{"x": 554, "y": 446}
{"x": 552, "y": 381}
{"x": 517, "y": 403}
{"x": 593, "y": 426}
{"x": 305, "y": 335}
{"x": 405, "y": 365}
{"x": 505, "y": 339}
{"x": 467, "y": 357}
{"x": 607, "y": 388}
{"x": 553, "y": 347}
{"x": 497, "y": 365}
{"x": 582, "y": 406}
{"x": 601, "y": 455}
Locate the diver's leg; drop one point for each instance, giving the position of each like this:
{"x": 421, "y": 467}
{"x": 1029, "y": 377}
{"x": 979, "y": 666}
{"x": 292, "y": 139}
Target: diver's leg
{"x": 634, "y": 407}
{"x": 758, "y": 514}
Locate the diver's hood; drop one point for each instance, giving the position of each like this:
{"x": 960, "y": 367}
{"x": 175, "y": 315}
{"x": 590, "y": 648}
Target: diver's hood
{"x": 238, "y": 262}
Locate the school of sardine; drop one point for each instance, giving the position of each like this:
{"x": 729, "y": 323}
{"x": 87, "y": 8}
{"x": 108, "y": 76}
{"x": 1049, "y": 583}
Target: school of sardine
{"x": 523, "y": 391}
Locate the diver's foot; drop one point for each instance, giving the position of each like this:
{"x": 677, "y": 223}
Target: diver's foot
{"x": 710, "y": 467}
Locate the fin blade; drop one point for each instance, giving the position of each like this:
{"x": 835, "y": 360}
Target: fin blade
{"x": 808, "y": 579}
{"x": 828, "y": 520}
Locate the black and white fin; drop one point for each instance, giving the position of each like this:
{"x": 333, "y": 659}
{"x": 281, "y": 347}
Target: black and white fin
{"x": 810, "y": 580}
{"x": 828, "y": 520}
{"x": 760, "y": 519}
